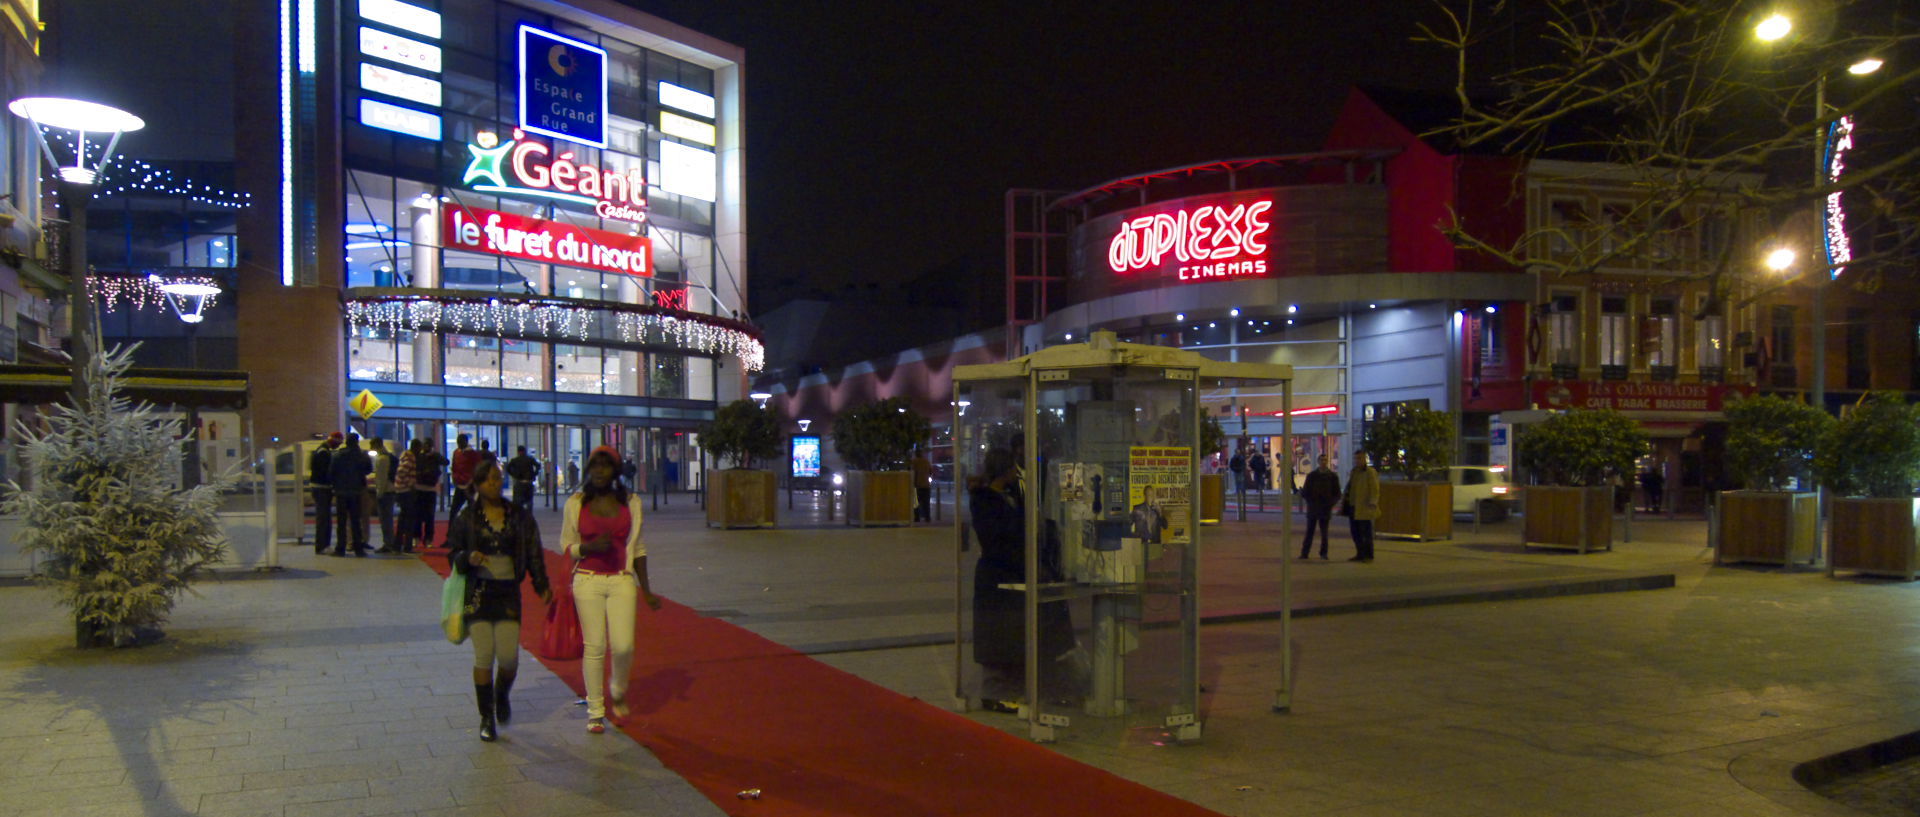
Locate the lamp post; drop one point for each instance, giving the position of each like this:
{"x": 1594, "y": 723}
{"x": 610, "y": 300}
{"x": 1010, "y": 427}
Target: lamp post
{"x": 189, "y": 301}
{"x": 74, "y": 184}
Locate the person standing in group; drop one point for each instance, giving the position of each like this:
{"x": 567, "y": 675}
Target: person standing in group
{"x": 600, "y": 526}
{"x": 383, "y": 466}
{"x": 486, "y": 452}
{"x": 1321, "y": 491}
{"x": 1363, "y": 499}
{"x": 573, "y": 475}
{"x": 404, "y": 474}
{"x": 497, "y": 546}
{"x": 922, "y": 486}
{"x": 320, "y": 485}
{"x": 426, "y": 491}
{"x": 1238, "y": 465}
{"x": 523, "y": 469}
{"x": 1257, "y": 466}
{"x": 464, "y": 460}
{"x": 351, "y": 467}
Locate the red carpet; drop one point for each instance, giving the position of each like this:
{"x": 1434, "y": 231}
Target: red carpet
{"x": 729, "y": 710}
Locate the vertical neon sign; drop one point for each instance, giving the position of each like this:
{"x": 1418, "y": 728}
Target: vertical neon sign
{"x": 1839, "y": 248}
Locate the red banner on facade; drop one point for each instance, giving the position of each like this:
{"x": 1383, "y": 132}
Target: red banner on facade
{"x": 548, "y": 242}
{"x": 1621, "y": 395}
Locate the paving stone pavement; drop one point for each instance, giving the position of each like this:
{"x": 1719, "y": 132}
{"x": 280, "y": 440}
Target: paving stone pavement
{"x": 325, "y": 689}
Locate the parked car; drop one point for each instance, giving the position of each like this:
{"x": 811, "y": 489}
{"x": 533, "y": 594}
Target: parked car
{"x": 1481, "y": 489}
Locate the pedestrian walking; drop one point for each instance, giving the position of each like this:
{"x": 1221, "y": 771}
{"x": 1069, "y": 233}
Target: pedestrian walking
{"x": 497, "y": 546}
{"x": 1238, "y": 465}
{"x": 464, "y": 460}
{"x": 922, "y": 486}
{"x": 426, "y": 491}
{"x": 600, "y": 526}
{"x": 404, "y": 476}
{"x": 1321, "y": 492}
{"x": 384, "y": 463}
{"x": 523, "y": 469}
{"x": 351, "y": 468}
{"x": 1363, "y": 501}
{"x": 320, "y": 485}
{"x": 1257, "y": 465}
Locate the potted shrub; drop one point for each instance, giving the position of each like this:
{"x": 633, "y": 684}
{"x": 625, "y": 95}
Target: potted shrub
{"x": 1770, "y": 442}
{"x": 1414, "y": 444}
{"x": 741, "y": 496}
{"x": 1870, "y": 460}
{"x": 1213, "y": 487}
{"x": 1577, "y": 458}
{"x": 875, "y": 441}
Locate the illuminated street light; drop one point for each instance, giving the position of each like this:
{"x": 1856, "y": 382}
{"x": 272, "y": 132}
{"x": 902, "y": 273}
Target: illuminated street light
{"x": 1780, "y": 259}
{"x": 1773, "y": 28}
{"x": 1865, "y": 66}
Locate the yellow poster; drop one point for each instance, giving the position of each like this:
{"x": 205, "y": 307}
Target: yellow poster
{"x": 1160, "y": 494}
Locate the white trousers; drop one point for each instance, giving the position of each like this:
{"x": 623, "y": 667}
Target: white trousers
{"x": 607, "y": 606}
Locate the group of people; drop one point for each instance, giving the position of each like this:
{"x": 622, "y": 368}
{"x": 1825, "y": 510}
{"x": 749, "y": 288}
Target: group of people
{"x": 1250, "y": 469}
{"x": 493, "y": 540}
{"x": 405, "y": 489}
{"x": 1360, "y": 497}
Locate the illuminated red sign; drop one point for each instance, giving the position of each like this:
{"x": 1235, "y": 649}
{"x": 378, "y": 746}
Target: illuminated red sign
{"x": 1621, "y": 395}
{"x": 1207, "y": 242}
{"x": 526, "y": 168}
{"x": 548, "y": 242}
{"x": 670, "y": 298}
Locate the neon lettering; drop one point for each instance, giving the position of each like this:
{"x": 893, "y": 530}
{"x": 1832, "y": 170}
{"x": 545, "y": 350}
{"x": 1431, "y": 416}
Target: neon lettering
{"x": 1212, "y": 241}
{"x": 524, "y": 168}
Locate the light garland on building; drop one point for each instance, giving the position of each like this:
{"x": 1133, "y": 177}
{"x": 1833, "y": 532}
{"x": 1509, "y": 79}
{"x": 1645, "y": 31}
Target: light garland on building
{"x": 161, "y": 181}
{"x": 141, "y": 291}
{"x": 552, "y": 318}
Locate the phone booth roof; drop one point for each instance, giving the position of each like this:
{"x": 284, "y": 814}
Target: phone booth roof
{"x": 1103, "y": 349}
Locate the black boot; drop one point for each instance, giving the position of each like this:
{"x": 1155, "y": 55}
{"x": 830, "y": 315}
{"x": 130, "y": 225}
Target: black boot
{"x": 483, "y": 694}
{"x": 502, "y": 684}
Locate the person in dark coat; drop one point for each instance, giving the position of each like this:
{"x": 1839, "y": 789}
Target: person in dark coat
{"x": 497, "y": 546}
{"x": 320, "y": 483}
{"x": 1654, "y": 484}
{"x": 999, "y": 615}
{"x": 1321, "y": 491}
{"x": 523, "y": 469}
{"x": 1257, "y": 466}
{"x": 1238, "y": 465}
{"x": 350, "y": 466}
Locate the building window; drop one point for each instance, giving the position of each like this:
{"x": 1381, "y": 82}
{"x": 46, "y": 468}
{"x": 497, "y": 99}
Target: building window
{"x": 1492, "y": 347}
{"x": 1563, "y": 330}
{"x": 1780, "y": 343}
{"x": 1659, "y": 335}
{"x": 1568, "y": 220}
{"x": 1711, "y": 338}
{"x": 1859, "y": 371}
{"x": 1616, "y": 344}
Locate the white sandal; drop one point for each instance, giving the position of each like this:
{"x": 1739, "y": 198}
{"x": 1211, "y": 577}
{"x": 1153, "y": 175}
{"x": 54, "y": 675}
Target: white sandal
{"x": 596, "y": 726}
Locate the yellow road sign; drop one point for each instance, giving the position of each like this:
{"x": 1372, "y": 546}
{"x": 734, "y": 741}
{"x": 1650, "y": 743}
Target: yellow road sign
{"x": 365, "y": 404}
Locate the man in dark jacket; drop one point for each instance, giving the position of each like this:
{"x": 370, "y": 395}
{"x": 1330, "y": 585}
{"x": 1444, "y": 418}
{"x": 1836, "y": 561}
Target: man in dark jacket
{"x": 523, "y": 469}
{"x": 1238, "y": 465}
{"x": 351, "y": 466}
{"x": 428, "y": 466}
{"x": 320, "y": 484}
{"x": 1321, "y": 491}
{"x": 1257, "y": 466}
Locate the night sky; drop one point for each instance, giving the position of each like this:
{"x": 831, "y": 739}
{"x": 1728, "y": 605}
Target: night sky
{"x": 882, "y": 137}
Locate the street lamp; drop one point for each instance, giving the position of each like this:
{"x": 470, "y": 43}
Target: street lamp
{"x": 73, "y": 183}
{"x": 1780, "y": 259}
{"x": 189, "y": 300}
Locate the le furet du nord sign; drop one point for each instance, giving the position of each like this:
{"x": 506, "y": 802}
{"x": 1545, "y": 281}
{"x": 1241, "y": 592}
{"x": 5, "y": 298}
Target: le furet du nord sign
{"x": 563, "y": 87}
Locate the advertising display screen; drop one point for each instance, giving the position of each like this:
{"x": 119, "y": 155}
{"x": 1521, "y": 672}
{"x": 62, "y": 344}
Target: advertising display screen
{"x": 806, "y": 456}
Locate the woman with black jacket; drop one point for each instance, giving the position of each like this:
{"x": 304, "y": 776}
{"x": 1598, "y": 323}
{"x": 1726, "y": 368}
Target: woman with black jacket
{"x": 497, "y": 546}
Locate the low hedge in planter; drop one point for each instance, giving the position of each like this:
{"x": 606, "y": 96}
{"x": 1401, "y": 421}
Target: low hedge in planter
{"x": 741, "y": 497}
{"x": 1415, "y": 444}
{"x": 1872, "y": 457}
{"x": 1578, "y": 456}
{"x": 1771, "y": 441}
{"x": 875, "y": 440}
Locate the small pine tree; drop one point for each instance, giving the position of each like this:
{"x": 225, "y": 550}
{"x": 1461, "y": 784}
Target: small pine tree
{"x": 120, "y": 543}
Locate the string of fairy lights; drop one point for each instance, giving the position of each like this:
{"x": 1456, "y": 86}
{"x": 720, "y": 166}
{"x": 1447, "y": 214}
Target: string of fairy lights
{"x": 125, "y": 175}
{"x": 142, "y": 291}
{"x": 633, "y": 323}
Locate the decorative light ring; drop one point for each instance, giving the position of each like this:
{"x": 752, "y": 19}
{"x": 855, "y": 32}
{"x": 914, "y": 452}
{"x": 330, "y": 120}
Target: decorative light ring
{"x": 558, "y": 318}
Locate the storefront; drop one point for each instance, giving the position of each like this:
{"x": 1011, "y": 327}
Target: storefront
{"x": 534, "y": 217}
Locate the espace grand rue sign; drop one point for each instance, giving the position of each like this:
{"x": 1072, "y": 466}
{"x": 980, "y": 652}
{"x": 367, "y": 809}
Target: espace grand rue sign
{"x": 548, "y": 242}
{"x": 563, "y": 87}
{"x": 530, "y": 169}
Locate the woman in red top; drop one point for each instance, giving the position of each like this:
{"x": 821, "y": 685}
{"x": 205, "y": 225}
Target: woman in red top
{"x": 600, "y": 527}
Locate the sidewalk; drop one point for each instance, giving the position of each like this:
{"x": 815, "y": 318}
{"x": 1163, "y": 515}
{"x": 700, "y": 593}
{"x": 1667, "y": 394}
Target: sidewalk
{"x": 326, "y": 690}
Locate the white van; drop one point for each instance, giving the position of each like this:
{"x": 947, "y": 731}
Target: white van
{"x": 1481, "y": 488}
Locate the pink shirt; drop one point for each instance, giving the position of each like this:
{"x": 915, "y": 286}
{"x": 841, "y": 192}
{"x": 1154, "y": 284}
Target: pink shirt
{"x": 616, "y": 527}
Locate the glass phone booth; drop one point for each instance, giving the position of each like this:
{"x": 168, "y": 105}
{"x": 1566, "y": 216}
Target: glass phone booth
{"x": 1077, "y": 532}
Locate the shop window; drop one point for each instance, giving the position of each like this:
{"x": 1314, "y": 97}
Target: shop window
{"x": 667, "y": 376}
{"x": 578, "y": 369}
{"x": 1616, "y": 344}
{"x": 472, "y": 361}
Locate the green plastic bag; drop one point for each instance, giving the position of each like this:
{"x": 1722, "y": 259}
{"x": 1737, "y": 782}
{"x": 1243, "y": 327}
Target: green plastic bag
{"x": 453, "y": 606}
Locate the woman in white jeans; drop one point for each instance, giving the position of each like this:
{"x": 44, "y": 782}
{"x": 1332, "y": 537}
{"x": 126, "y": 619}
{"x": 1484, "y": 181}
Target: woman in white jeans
{"x": 600, "y": 527}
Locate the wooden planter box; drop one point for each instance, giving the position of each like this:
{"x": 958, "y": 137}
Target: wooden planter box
{"x": 1213, "y": 498}
{"x": 1415, "y": 510}
{"x": 1578, "y": 518}
{"x": 1878, "y": 536}
{"x": 1777, "y": 527}
{"x": 880, "y": 498}
{"x": 740, "y": 498}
